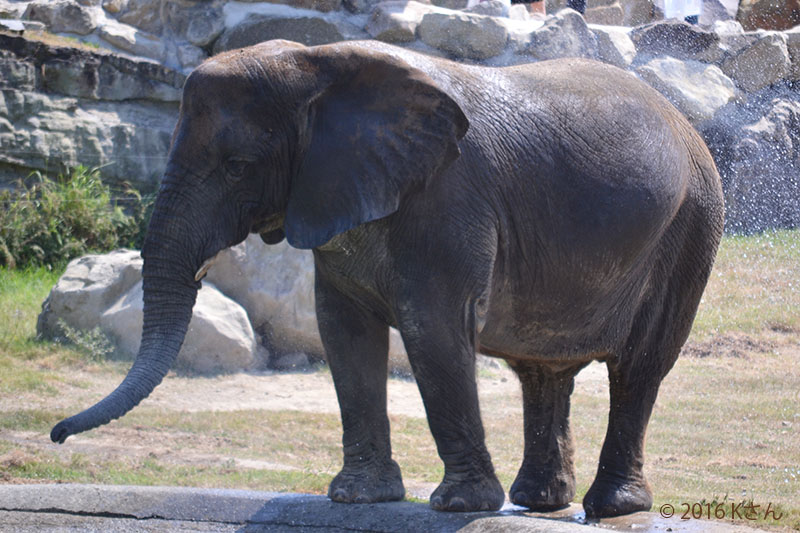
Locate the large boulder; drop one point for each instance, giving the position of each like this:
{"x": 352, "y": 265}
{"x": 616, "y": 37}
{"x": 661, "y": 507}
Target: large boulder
{"x": 275, "y": 284}
{"x": 763, "y": 63}
{"x": 89, "y": 286}
{"x": 756, "y": 144}
{"x": 793, "y": 45}
{"x": 143, "y": 14}
{"x": 62, "y": 16}
{"x": 614, "y": 45}
{"x": 105, "y": 291}
{"x": 698, "y": 90}
{"x": 219, "y": 339}
{"x": 132, "y": 40}
{"x": 204, "y": 27}
{"x": 716, "y": 11}
{"x": 563, "y": 35}
{"x": 609, "y": 15}
{"x": 676, "y": 39}
{"x": 11, "y": 10}
{"x": 463, "y": 35}
{"x": 308, "y": 29}
{"x": 628, "y": 13}
{"x": 769, "y": 14}
{"x": 396, "y": 21}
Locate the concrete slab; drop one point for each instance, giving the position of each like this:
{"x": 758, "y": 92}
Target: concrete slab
{"x": 72, "y": 508}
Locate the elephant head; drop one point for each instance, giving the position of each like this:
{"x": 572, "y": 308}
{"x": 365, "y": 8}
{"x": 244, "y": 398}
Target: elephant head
{"x": 281, "y": 140}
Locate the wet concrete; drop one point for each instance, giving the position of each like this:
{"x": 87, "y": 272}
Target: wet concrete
{"x": 73, "y": 508}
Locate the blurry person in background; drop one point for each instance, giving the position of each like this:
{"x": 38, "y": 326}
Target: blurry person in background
{"x": 688, "y": 10}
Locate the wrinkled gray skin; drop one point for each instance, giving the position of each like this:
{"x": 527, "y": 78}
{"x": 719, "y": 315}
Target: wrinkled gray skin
{"x": 549, "y": 214}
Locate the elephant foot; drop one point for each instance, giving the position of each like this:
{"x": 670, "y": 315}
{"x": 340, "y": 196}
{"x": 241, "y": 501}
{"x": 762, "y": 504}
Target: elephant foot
{"x": 368, "y": 485}
{"x": 543, "y": 492}
{"x": 617, "y": 496}
{"x": 484, "y": 494}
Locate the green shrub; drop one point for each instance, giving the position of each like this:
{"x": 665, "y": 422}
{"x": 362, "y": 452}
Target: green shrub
{"x": 47, "y": 222}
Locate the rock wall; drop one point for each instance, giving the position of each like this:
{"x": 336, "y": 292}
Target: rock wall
{"x": 63, "y": 106}
{"x": 115, "y": 105}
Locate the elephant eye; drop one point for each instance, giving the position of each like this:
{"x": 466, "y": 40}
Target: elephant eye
{"x": 235, "y": 168}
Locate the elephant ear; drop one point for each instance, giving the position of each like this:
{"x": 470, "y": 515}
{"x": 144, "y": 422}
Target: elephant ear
{"x": 377, "y": 128}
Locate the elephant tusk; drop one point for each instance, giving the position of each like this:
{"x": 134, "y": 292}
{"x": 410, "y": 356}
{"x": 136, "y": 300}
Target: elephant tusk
{"x": 201, "y": 272}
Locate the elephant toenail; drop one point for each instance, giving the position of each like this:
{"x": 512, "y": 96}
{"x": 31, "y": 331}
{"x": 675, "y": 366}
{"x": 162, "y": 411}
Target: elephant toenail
{"x": 457, "y": 504}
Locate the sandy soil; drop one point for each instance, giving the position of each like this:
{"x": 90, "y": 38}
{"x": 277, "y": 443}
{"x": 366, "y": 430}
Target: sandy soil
{"x": 309, "y": 392}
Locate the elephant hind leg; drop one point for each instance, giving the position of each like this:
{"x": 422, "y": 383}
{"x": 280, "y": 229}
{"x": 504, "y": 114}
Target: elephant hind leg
{"x": 661, "y": 327}
{"x": 546, "y": 479}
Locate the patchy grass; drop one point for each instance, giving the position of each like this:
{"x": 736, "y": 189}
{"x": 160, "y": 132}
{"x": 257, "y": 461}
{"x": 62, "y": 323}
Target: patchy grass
{"x": 52, "y": 39}
{"x": 755, "y": 286}
{"x": 725, "y": 427}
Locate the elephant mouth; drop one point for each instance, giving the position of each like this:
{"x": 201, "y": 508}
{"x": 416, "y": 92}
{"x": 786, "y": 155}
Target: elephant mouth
{"x": 270, "y": 228}
{"x": 268, "y": 224}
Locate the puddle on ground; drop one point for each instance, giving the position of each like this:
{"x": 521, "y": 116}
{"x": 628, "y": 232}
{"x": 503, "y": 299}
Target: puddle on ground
{"x": 639, "y": 522}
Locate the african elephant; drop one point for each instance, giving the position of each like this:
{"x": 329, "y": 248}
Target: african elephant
{"x": 549, "y": 214}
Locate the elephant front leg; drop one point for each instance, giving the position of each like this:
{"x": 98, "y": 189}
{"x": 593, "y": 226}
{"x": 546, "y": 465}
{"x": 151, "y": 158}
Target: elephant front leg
{"x": 546, "y": 479}
{"x": 442, "y": 357}
{"x": 357, "y": 347}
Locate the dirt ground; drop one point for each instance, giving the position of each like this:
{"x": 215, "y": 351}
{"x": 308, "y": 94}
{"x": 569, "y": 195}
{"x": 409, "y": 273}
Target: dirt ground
{"x": 309, "y": 392}
{"x": 303, "y": 391}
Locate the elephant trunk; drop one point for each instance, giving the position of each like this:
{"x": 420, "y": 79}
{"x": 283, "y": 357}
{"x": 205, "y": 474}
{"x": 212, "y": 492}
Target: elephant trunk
{"x": 169, "y": 295}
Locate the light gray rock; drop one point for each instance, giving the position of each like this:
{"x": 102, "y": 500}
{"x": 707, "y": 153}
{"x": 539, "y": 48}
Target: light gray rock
{"x": 678, "y": 39}
{"x": 637, "y": 12}
{"x": 756, "y": 144}
{"x": 396, "y": 21}
{"x": 695, "y": 88}
{"x": 105, "y": 291}
{"x": 463, "y": 35}
{"x": 451, "y": 4}
{"x": 563, "y": 35}
{"x": 205, "y": 26}
{"x": 303, "y": 27}
{"x": 490, "y": 8}
{"x": 731, "y": 26}
{"x": 89, "y": 285}
{"x": 132, "y": 40}
{"x": 614, "y": 45}
{"x": 518, "y": 12}
{"x": 143, "y": 14}
{"x": 793, "y": 46}
{"x": 761, "y": 64}
{"x": 16, "y": 74}
{"x": 114, "y": 6}
{"x": 219, "y": 339}
{"x": 62, "y": 16}
{"x": 714, "y": 12}
{"x": 11, "y": 10}
{"x": 364, "y": 6}
{"x": 189, "y": 56}
{"x": 275, "y": 284}
{"x": 610, "y": 15}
